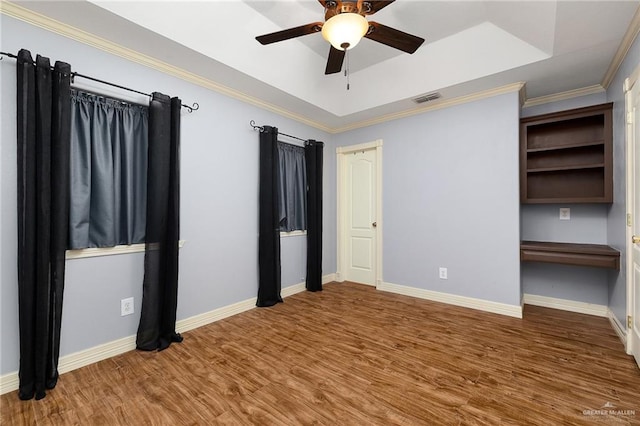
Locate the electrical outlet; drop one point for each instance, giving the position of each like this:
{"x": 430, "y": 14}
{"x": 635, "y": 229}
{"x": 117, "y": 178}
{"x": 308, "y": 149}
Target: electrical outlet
{"x": 126, "y": 306}
{"x": 565, "y": 213}
{"x": 443, "y": 273}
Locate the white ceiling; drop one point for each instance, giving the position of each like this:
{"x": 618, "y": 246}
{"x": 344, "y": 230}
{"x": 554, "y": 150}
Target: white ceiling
{"x": 471, "y": 46}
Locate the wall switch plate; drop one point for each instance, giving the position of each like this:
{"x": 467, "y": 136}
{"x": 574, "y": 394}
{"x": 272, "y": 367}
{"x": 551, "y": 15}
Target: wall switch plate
{"x": 565, "y": 213}
{"x": 126, "y": 306}
{"x": 443, "y": 273}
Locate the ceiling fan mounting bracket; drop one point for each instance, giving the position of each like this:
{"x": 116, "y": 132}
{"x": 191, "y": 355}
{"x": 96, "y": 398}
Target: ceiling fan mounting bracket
{"x": 349, "y": 7}
{"x": 333, "y": 8}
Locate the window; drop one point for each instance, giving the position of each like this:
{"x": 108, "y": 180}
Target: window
{"x": 108, "y": 171}
{"x": 292, "y": 188}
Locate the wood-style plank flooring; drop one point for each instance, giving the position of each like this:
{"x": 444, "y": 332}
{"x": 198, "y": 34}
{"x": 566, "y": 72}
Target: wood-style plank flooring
{"x": 351, "y": 355}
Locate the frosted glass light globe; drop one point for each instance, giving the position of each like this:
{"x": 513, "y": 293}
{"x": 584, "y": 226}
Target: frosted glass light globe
{"x": 345, "y": 30}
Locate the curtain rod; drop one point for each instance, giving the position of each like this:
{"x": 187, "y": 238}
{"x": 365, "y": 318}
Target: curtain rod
{"x": 194, "y": 107}
{"x": 260, "y": 128}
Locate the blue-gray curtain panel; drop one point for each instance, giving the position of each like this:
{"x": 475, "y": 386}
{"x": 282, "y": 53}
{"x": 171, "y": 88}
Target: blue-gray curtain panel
{"x": 314, "y": 161}
{"x": 108, "y": 171}
{"x": 43, "y": 121}
{"x": 269, "y": 274}
{"x": 292, "y": 187}
{"x": 157, "y": 328}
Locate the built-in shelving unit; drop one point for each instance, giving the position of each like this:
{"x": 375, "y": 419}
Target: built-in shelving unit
{"x": 566, "y": 157}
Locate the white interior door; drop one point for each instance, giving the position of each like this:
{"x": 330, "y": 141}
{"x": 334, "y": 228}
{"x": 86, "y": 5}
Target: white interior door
{"x": 632, "y": 87}
{"x": 361, "y": 226}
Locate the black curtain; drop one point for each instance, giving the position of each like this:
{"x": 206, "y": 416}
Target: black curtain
{"x": 313, "y": 157}
{"x": 160, "y": 287}
{"x": 44, "y": 124}
{"x": 269, "y": 284}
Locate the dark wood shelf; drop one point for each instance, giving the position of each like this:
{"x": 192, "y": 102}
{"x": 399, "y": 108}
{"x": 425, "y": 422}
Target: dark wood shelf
{"x": 572, "y": 146}
{"x": 567, "y": 156}
{"x": 556, "y": 169}
{"x": 595, "y": 255}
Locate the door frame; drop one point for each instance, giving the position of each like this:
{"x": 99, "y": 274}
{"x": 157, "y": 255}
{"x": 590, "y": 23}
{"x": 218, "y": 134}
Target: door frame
{"x": 341, "y": 207}
{"x": 629, "y": 82}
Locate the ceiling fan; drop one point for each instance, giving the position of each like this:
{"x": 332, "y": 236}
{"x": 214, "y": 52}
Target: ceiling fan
{"x": 345, "y": 24}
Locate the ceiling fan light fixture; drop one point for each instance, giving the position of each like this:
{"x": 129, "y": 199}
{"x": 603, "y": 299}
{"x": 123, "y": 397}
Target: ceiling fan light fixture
{"x": 345, "y": 30}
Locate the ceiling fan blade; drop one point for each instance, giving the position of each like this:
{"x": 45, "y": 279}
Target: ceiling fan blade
{"x": 369, "y": 7}
{"x": 290, "y": 33}
{"x": 394, "y": 38}
{"x": 335, "y": 60}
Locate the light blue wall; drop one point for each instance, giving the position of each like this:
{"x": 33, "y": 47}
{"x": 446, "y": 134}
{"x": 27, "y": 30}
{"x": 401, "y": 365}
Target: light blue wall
{"x": 588, "y": 224}
{"x": 219, "y": 190}
{"x": 451, "y": 198}
{"x": 579, "y": 102}
{"x": 616, "y": 219}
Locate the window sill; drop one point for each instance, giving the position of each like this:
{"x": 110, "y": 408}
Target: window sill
{"x": 109, "y": 251}
{"x": 292, "y": 234}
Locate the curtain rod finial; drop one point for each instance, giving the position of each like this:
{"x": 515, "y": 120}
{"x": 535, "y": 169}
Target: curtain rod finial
{"x": 252, "y": 123}
{"x": 194, "y": 107}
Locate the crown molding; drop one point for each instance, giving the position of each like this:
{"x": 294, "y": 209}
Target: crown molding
{"x": 563, "y": 96}
{"x": 440, "y": 104}
{"x": 623, "y": 49}
{"x": 18, "y": 12}
{"x": 523, "y": 95}
{"x": 57, "y": 27}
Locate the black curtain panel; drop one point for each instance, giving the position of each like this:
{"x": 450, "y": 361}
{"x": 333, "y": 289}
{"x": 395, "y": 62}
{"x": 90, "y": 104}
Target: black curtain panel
{"x": 269, "y": 284}
{"x": 313, "y": 158}
{"x": 160, "y": 286}
{"x": 43, "y": 119}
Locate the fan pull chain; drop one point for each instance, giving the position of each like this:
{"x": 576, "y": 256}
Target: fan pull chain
{"x": 346, "y": 69}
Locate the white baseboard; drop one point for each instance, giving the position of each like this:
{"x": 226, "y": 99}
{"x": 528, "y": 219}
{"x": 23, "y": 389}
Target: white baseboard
{"x": 581, "y": 308}
{"x": 215, "y": 315}
{"x": 452, "y": 299}
{"x": 620, "y": 330}
{"x": 566, "y": 305}
{"x": 329, "y": 278}
{"x": 9, "y": 382}
{"x": 294, "y": 289}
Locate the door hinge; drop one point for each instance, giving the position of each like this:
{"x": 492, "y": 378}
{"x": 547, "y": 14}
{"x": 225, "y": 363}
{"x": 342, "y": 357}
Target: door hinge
{"x": 629, "y": 322}
{"x": 629, "y": 220}
{"x": 629, "y": 118}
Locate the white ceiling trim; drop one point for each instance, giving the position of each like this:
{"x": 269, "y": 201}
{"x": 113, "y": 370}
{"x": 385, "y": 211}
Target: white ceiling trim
{"x": 87, "y": 38}
{"x": 514, "y": 87}
{"x": 623, "y": 49}
{"x": 49, "y": 24}
{"x": 563, "y": 96}
{"x": 508, "y": 52}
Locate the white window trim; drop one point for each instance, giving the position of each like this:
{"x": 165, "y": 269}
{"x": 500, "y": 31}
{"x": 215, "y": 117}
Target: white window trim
{"x": 284, "y": 234}
{"x": 109, "y": 251}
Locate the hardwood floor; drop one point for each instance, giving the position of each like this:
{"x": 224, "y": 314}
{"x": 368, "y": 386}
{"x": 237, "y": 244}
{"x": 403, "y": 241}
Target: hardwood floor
{"x": 351, "y": 355}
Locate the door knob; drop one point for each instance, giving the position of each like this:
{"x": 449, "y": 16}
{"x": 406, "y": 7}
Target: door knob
{"x": 375, "y": 224}
{"x": 635, "y": 239}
